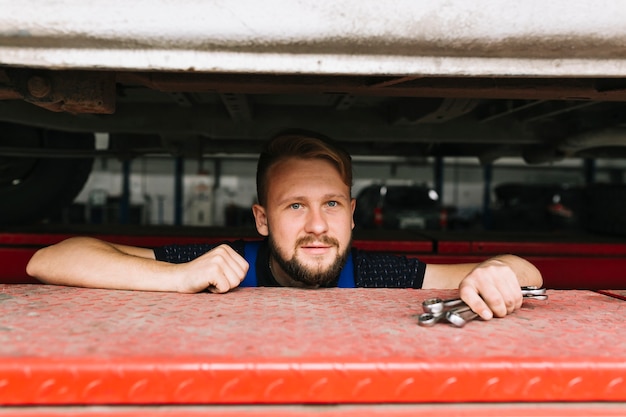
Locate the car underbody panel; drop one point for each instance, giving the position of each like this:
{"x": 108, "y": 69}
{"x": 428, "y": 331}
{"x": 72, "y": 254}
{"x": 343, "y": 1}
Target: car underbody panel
{"x": 486, "y": 79}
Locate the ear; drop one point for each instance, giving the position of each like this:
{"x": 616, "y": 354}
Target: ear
{"x": 260, "y": 219}
{"x": 352, "y": 207}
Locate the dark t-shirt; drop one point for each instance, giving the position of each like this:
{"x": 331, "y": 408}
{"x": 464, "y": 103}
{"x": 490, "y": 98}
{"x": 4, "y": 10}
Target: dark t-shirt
{"x": 371, "y": 270}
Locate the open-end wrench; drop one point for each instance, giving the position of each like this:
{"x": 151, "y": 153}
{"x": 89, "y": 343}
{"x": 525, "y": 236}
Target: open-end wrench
{"x": 460, "y": 317}
{"x": 534, "y": 293}
{"x": 438, "y": 306}
{"x": 430, "y": 319}
{"x": 455, "y": 310}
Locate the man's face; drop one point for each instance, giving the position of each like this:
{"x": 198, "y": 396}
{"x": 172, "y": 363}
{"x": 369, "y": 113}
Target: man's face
{"x": 308, "y": 218}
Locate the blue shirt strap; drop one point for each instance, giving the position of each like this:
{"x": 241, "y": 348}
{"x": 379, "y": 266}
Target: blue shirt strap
{"x": 251, "y": 250}
{"x": 346, "y": 278}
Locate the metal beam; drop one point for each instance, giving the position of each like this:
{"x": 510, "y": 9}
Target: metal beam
{"x": 438, "y": 37}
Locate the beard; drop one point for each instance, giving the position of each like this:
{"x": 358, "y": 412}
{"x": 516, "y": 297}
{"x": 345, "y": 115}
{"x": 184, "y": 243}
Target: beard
{"x": 319, "y": 275}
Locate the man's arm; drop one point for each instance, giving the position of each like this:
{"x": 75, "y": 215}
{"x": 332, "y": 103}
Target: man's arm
{"x": 89, "y": 262}
{"x": 491, "y": 287}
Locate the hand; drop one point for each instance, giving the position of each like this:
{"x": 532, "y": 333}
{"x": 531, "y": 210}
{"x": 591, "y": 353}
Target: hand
{"x": 218, "y": 271}
{"x": 491, "y": 289}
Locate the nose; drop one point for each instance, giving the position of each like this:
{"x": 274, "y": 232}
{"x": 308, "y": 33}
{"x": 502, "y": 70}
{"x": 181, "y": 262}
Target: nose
{"x": 316, "y": 222}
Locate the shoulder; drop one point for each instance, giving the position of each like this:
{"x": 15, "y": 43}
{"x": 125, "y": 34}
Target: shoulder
{"x": 374, "y": 269}
{"x": 371, "y": 258}
{"x": 176, "y": 253}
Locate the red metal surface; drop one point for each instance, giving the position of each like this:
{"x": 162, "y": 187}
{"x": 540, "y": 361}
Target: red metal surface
{"x": 13, "y": 266}
{"x": 621, "y": 294}
{"x": 485, "y": 247}
{"x": 411, "y": 410}
{"x": 395, "y": 246}
{"x": 61, "y": 346}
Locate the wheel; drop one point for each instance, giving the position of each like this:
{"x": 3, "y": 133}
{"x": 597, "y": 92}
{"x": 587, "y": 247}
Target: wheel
{"x": 31, "y": 188}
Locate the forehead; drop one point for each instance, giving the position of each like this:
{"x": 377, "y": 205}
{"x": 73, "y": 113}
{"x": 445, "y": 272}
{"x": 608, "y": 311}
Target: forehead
{"x": 300, "y": 176}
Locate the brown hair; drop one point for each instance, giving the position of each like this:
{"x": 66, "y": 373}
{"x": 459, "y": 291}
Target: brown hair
{"x": 300, "y": 144}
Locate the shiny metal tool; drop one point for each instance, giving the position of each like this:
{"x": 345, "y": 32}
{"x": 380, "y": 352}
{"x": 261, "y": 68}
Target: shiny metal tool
{"x": 456, "y": 312}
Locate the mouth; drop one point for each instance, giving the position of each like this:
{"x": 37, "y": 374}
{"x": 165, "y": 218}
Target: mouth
{"x": 316, "y": 249}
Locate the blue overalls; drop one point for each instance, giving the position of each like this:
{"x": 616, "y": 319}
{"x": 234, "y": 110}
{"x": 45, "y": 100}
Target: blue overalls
{"x": 346, "y": 278}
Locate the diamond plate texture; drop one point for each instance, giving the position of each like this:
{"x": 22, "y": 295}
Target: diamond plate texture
{"x": 62, "y": 345}
{"x": 335, "y": 410}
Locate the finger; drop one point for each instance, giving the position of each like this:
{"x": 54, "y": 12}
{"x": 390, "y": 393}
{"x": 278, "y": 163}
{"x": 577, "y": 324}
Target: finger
{"x": 240, "y": 265}
{"x": 471, "y": 297}
{"x": 511, "y": 293}
{"x": 234, "y": 275}
{"x": 219, "y": 275}
{"x": 236, "y": 267}
{"x": 220, "y": 286}
{"x": 495, "y": 301}
{"x": 514, "y": 301}
{"x": 223, "y": 278}
{"x": 497, "y": 285}
{"x": 222, "y": 281}
{"x": 222, "y": 267}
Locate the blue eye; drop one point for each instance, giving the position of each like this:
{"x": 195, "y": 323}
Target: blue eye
{"x": 333, "y": 204}
{"x": 295, "y": 206}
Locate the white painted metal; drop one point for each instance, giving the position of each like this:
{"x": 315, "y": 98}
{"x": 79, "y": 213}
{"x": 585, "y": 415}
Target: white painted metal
{"x": 403, "y": 37}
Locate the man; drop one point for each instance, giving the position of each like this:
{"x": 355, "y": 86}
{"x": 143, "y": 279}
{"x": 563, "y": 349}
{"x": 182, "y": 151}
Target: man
{"x": 305, "y": 211}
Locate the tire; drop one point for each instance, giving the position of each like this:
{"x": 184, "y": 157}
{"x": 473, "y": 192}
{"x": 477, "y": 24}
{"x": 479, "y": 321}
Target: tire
{"x": 33, "y": 188}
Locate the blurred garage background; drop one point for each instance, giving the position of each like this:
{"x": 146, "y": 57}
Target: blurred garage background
{"x": 508, "y": 194}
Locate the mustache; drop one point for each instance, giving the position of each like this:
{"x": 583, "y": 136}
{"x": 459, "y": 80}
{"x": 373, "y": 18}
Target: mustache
{"x": 326, "y": 240}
